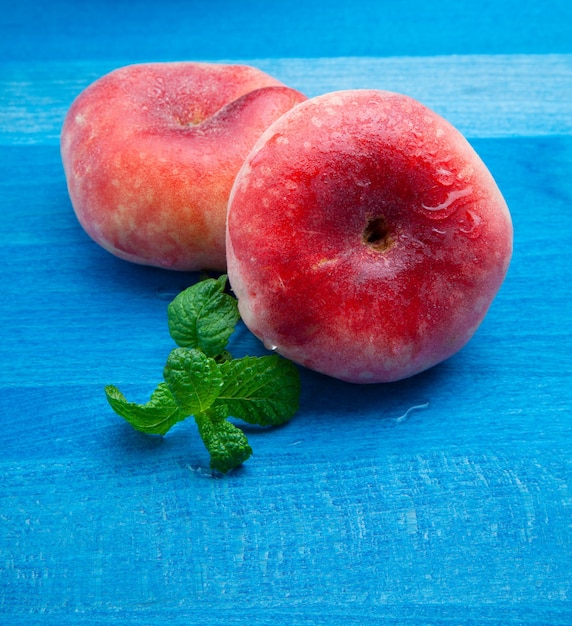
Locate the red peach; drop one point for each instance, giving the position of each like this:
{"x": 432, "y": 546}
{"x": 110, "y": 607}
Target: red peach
{"x": 150, "y": 153}
{"x": 366, "y": 239}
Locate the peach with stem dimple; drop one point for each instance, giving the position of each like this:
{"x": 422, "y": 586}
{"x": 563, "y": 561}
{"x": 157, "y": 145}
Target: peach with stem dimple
{"x": 150, "y": 153}
{"x": 366, "y": 239}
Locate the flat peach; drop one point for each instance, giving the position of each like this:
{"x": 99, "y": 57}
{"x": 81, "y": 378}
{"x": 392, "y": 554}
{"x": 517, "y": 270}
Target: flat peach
{"x": 150, "y": 153}
{"x": 366, "y": 239}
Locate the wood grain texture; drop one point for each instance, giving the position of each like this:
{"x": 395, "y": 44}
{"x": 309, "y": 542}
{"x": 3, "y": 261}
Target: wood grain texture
{"x": 444, "y": 499}
{"x": 482, "y": 95}
{"x": 178, "y": 29}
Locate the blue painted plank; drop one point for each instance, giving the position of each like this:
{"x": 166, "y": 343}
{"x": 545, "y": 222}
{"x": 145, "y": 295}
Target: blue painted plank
{"x": 178, "y": 29}
{"x": 482, "y": 95}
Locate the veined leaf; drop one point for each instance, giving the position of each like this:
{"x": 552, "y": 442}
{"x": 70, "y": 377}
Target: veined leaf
{"x": 155, "y": 417}
{"x": 226, "y": 443}
{"x": 203, "y": 316}
{"x": 260, "y": 390}
{"x": 193, "y": 378}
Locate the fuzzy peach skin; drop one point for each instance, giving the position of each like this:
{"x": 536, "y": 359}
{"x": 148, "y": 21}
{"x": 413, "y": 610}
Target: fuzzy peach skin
{"x": 365, "y": 237}
{"x": 150, "y": 153}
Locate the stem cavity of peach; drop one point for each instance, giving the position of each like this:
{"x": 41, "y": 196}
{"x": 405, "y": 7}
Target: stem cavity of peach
{"x": 377, "y": 234}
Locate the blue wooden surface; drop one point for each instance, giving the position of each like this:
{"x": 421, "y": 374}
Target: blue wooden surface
{"x": 444, "y": 499}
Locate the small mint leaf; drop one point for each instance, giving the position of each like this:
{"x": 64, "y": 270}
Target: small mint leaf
{"x": 203, "y": 316}
{"x": 227, "y": 444}
{"x": 154, "y": 418}
{"x": 260, "y": 390}
{"x": 193, "y": 378}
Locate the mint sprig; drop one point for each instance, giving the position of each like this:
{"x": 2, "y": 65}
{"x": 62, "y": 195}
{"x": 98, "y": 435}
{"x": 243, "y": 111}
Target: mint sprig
{"x": 202, "y": 379}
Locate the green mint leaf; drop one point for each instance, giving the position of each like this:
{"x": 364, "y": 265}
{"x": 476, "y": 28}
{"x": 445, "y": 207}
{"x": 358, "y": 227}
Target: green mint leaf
{"x": 193, "y": 378}
{"x": 154, "y": 418}
{"x": 203, "y": 316}
{"x": 260, "y": 390}
{"x": 227, "y": 444}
